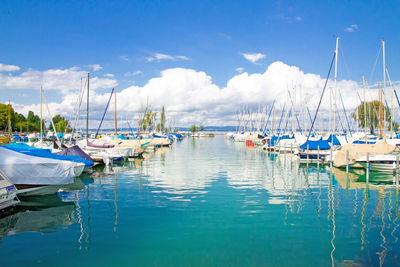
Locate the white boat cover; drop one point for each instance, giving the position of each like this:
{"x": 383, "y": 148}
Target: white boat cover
{"x": 24, "y": 169}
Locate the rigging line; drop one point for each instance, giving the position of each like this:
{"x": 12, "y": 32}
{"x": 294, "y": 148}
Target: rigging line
{"x": 320, "y": 100}
{"x": 297, "y": 119}
{"x": 266, "y": 124}
{"x": 344, "y": 61}
{"x": 105, "y": 111}
{"x": 79, "y": 107}
{"x": 51, "y": 119}
{"x": 345, "y": 114}
{"x": 376, "y": 62}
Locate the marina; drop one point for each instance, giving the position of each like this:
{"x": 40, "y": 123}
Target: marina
{"x": 199, "y": 133}
{"x": 209, "y": 201}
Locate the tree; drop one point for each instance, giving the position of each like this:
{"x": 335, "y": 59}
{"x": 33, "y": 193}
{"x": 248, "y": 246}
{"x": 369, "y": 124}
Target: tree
{"x": 201, "y": 128}
{"x": 193, "y": 128}
{"x": 34, "y": 122}
{"x": 4, "y": 109}
{"x": 162, "y": 124}
{"x": 372, "y": 115}
{"x": 62, "y": 125}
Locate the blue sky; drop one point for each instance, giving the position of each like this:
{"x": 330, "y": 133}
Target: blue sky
{"x": 208, "y": 36}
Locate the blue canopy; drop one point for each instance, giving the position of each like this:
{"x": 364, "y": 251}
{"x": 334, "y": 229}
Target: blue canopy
{"x": 333, "y": 139}
{"x": 45, "y": 153}
{"x": 314, "y": 145}
{"x": 275, "y": 138}
{"x": 363, "y": 142}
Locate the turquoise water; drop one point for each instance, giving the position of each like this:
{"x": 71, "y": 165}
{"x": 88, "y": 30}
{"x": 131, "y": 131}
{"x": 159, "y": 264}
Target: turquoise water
{"x": 209, "y": 202}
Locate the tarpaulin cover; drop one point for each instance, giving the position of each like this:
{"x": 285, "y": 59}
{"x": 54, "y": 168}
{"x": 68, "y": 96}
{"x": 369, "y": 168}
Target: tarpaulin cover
{"x": 334, "y": 140}
{"x": 25, "y": 169}
{"x": 44, "y": 153}
{"x": 75, "y": 151}
{"x": 275, "y": 138}
{"x": 90, "y": 144}
{"x": 311, "y": 144}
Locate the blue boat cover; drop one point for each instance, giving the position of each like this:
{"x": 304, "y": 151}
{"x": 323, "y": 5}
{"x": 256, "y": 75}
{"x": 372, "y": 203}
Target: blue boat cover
{"x": 335, "y": 141}
{"x": 275, "y": 138}
{"x": 322, "y": 144}
{"x": 45, "y": 153}
{"x": 363, "y": 142}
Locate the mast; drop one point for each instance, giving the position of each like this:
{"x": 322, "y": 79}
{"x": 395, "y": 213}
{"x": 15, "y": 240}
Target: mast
{"x": 335, "y": 88}
{"x": 365, "y": 111}
{"x": 380, "y": 112}
{"x": 115, "y": 111}
{"x": 384, "y": 76}
{"x": 87, "y": 110}
{"x": 9, "y": 121}
{"x": 41, "y": 116}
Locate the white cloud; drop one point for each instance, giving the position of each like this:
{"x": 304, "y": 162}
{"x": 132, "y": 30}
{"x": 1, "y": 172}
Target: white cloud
{"x": 253, "y": 57}
{"x": 240, "y": 69}
{"x": 352, "y": 28}
{"x": 158, "y": 57}
{"x": 95, "y": 67}
{"x": 8, "y": 67}
{"x": 124, "y": 58}
{"x": 53, "y": 79}
{"x": 109, "y": 75}
{"x": 134, "y": 73}
{"x": 191, "y": 96}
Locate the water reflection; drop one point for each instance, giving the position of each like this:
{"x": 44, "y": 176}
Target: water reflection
{"x": 44, "y": 214}
{"x": 249, "y": 202}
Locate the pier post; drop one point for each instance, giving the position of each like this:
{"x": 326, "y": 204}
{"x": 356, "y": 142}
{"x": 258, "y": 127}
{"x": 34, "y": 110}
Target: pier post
{"x": 367, "y": 169}
{"x": 307, "y": 156}
{"x": 347, "y": 161}
{"x": 318, "y": 158}
{"x": 291, "y": 147}
{"x": 331, "y": 158}
{"x": 397, "y": 170}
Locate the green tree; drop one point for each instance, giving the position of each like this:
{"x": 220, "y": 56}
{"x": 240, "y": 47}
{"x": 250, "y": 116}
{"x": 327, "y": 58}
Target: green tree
{"x": 34, "y": 122}
{"x": 193, "y": 128}
{"x": 4, "y": 109}
{"x": 201, "y": 128}
{"x": 371, "y": 116}
{"x": 62, "y": 125}
{"x": 162, "y": 124}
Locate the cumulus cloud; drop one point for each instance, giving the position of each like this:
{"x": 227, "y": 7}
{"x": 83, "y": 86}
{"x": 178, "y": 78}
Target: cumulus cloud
{"x": 190, "y": 96}
{"x": 95, "y": 67}
{"x": 109, "y": 75}
{"x": 158, "y": 57}
{"x": 4, "y": 67}
{"x": 253, "y": 57}
{"x": 351, "y": 28}
{"x": 53, "y": 79}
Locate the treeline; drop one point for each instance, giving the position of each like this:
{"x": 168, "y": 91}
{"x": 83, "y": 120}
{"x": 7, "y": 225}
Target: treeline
{"x": 20, "y": 123}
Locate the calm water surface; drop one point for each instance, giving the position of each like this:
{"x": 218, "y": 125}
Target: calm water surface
{"x": 209, "y": 202}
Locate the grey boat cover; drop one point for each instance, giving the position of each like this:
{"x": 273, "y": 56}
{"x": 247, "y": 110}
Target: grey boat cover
{"x": 75, "y": 151}
{"x": 25, "y": 169}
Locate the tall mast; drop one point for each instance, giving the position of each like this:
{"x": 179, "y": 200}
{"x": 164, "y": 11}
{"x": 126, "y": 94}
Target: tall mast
{"x": 9, "y": 121}
{"x": 87, "y": 109}
{"x": 41, "y": 115}
{"x": 365, "y": 111}
{"x": 380, "y": 112}
{"x": 335, "y": 89}
{"x": 384, "y": 77}
{"x": 115, "y": 111}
